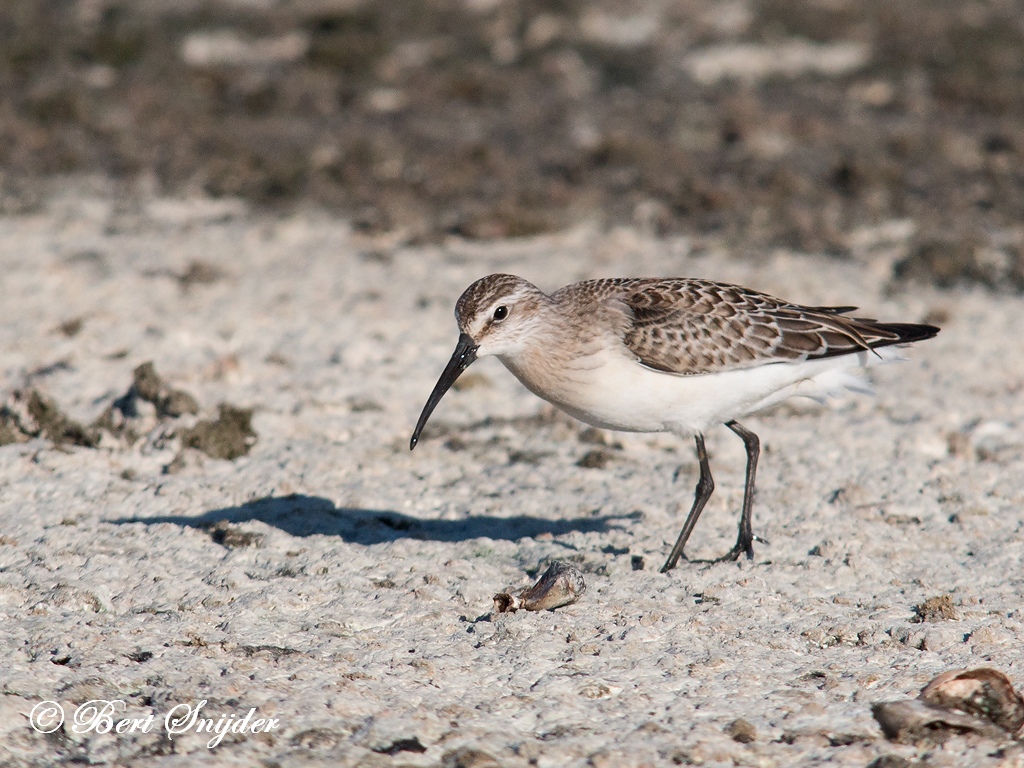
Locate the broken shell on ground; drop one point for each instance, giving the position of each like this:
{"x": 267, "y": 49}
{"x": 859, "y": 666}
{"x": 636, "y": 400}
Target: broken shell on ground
{"x": 911, "y": 721}
{"x": 984, "y": 692}
{"x": 561, "y": 584}
{"x": 980, "y": 701}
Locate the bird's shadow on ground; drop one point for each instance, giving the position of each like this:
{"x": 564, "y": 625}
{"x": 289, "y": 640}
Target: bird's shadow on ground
{"x": 300, "y": 515}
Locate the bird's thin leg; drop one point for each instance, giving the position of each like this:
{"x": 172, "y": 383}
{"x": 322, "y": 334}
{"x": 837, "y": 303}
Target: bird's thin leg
{"x": 705, "y": 486}
{"x": 745, "y": 542}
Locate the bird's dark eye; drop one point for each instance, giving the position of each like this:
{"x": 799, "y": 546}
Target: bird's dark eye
{"x": 501, "y": 313}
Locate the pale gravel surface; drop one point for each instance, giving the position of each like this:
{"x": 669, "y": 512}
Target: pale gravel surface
{"x": 361, "y": 618}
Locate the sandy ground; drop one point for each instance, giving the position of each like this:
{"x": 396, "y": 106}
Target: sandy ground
{"x": 349, "y": 597}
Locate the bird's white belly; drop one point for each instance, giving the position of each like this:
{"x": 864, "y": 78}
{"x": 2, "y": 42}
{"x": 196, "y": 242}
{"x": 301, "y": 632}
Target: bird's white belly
{"x": 615, "y": 392}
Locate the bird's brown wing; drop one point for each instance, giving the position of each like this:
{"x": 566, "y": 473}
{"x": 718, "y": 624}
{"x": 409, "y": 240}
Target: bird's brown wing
{"x": 688, "y": 326}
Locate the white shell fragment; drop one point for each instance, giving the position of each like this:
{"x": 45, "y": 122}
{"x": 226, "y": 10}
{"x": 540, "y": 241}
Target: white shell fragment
{"x": 980, "y": 701}
{"x": 561, "y": 584}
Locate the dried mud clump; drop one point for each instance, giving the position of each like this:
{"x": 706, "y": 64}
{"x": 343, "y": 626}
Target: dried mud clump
{"x": 9, "y": 433}
{"x": 742, "y": 731}
{"x": 28, "y": 414}
{"x": 147, "y": 385}
{"x": 125, "y": 419}
{"x": 150, "y": 409}
{"x": 596, "y": 459}
{"x": 229, "y": 436}
{"x": 233, "y": 537}
{"x": 199, "y": 273}
{"x": 939, "y": 608}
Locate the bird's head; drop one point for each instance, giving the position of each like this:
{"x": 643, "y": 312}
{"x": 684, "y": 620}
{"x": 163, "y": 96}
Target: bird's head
{"x": 495, "y": 316}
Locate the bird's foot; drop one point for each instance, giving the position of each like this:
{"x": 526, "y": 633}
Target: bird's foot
{"x": 743, "y": 546}
{"x": 734, "y": 554}
{"x": 671, "y": 563}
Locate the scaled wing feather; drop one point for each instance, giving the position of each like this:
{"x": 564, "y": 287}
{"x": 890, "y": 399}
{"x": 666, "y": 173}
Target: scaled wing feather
{"x": 691, "y": 327}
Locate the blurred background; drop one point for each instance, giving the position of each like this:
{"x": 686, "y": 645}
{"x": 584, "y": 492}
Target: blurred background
{"x": 810, "y": 125}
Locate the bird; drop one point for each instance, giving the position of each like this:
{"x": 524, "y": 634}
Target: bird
{"x": 678, "y": 355}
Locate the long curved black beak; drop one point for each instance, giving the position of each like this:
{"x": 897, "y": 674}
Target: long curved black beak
{"x": 462, "y": 358}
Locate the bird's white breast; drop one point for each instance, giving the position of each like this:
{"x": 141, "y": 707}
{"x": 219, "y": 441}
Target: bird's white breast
{"x": 611, "y": 390}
